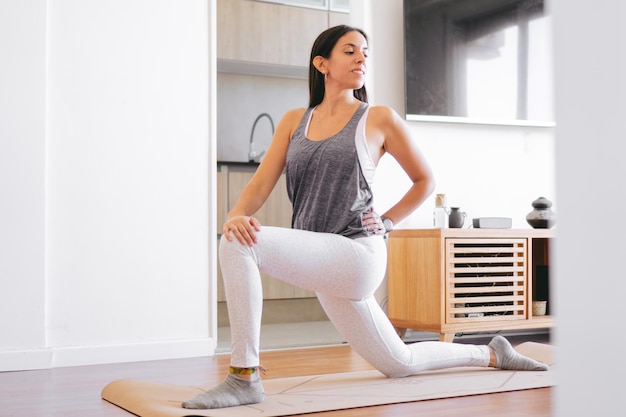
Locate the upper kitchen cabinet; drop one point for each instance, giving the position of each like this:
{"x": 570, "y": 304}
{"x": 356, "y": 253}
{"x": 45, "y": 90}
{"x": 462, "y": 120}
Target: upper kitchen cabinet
{"x": 264, "y": 38}
{"x": 336, "y": 18}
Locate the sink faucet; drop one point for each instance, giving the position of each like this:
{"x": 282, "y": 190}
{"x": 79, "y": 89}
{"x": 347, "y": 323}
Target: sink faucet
{"x": 252, "y": 155}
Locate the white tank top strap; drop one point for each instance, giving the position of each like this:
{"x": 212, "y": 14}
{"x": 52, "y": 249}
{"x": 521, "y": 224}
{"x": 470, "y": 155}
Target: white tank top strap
{"x": 368, "y": 167}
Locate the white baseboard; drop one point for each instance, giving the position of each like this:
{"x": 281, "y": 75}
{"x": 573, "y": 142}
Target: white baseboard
{"x": 25, "y": 360}
{"x": 21, "y": 360}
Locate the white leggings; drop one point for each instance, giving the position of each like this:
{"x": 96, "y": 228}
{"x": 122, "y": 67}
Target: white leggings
{"x": 344, "y": 273}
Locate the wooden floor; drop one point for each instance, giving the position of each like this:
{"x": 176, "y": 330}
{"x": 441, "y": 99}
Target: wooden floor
{"x": 75, "y": 391}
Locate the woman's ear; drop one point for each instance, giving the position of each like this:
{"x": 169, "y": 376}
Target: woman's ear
{"x": 320, "y": 64}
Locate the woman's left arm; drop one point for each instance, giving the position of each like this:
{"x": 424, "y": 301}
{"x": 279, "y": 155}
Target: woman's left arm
{"x": 387, "y": 133}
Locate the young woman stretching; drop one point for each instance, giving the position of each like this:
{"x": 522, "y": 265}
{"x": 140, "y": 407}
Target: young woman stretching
{"x": 336, "y": 247}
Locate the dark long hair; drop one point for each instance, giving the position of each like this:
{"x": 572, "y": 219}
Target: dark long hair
{"x": 323, "y": 46}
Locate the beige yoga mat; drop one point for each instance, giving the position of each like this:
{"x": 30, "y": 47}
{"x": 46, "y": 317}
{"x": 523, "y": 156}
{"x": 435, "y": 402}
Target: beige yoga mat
{"x": 310, "y": 394}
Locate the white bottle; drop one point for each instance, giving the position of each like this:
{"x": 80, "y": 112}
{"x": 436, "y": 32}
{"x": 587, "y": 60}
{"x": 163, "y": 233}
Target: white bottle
{"x": 440, "y": 214}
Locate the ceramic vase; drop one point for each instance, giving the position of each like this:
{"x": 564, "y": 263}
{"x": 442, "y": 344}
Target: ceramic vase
{"x": 542, "y": 216}
{"x": 456, "y": 218}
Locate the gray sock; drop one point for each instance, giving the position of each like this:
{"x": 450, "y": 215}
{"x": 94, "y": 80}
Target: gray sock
{"x": 508, "y": 358}
{"x": 231, "y": 392}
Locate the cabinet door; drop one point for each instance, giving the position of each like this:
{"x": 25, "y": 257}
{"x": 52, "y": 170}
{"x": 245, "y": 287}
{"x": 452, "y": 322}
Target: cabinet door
{"x": 337, "y": 18}
{"x": 486, "y": 280}
{"x": 277, "y": 209}
{"x": 267, "y": 33}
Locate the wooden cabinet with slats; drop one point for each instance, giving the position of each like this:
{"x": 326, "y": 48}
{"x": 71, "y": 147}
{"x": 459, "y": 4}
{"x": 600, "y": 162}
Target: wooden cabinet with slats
{"x": 467, "y": 280}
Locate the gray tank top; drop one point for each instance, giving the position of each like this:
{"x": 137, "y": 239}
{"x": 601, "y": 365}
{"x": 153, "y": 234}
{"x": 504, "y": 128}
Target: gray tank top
{"x": 325, "y": 182}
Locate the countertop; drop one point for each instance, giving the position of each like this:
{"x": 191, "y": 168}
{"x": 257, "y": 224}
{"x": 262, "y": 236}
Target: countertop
{"x": 238, "y": 163}
{"x": 237, "y": 166}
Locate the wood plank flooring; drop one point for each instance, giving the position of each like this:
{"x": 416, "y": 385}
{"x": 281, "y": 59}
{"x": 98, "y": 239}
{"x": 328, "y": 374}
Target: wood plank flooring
{"x": 75, "y": 391}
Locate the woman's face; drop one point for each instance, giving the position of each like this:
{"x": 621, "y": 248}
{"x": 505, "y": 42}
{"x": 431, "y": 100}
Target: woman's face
{"x": 347, "y": 62}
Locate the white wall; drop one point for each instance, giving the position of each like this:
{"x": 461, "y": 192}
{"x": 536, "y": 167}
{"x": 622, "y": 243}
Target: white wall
{"x": 22, "y": 177}
{"x": 125, "y": 133}
{"x": 590, "y": 86}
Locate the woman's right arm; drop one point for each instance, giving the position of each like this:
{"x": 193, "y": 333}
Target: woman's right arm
{"x": 239, "y": 223}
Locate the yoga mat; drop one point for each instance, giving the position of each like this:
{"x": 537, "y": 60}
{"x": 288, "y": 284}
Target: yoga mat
{"x": 310, "y": 394}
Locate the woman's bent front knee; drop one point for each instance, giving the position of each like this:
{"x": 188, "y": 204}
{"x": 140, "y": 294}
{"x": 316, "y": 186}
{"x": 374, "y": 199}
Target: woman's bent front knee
{"x": 230, "y": 250}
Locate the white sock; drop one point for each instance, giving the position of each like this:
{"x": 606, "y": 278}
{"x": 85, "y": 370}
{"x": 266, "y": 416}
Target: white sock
{"x": 231, "y": 392}
{"x": 508, "y": 358}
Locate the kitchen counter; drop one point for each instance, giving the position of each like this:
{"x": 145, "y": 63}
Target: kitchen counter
{"x": 237, "y": 163}
{"x": 236, "y": 166}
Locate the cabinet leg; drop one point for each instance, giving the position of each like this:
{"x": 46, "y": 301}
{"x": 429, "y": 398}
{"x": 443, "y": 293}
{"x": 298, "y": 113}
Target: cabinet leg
{"x": 446, "y": 337}
{"x": 401, "y": 331}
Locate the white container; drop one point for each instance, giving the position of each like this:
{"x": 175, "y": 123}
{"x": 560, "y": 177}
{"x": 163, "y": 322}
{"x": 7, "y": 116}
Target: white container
{"x": 539, "y": 308}
{"x": 441, "y": 213}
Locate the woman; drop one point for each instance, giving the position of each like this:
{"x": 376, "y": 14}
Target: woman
{"x": 336, "y": 246}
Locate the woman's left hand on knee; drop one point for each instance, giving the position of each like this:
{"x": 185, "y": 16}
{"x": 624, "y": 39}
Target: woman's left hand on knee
{"x": 242, "y": 228}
